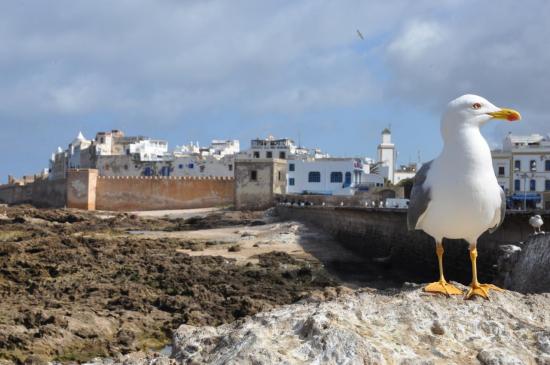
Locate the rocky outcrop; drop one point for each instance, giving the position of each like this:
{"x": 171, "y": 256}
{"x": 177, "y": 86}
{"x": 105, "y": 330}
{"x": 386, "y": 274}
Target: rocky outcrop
{"x": 386, "y": 327}
{"x": 526, "y": 267}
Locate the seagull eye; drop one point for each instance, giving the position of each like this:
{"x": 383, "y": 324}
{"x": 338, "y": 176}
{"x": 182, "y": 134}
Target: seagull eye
{"x": 476, "y": 106}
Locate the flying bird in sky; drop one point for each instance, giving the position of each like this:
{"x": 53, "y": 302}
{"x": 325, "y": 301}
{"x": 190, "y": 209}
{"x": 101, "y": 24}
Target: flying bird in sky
{"x": 360, "y": 35}
{"x": 457, "y": 195}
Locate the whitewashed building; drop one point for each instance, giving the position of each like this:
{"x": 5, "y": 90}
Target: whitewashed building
{"x": 281, "y": 148}
{"x": 76, "y": 149}
{"x": 522, "y": 168}
{"x": 218, "y": 148}
{"x": 114, "y": 154}
{"x": 329, "y": 176}
{"x": 404, "y": 172}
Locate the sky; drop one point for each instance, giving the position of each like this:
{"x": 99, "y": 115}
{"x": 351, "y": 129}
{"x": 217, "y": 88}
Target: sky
{"x": 186, "y": 70}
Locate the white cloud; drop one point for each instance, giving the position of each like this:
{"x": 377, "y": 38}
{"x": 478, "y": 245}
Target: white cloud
{"x": 491, "y": 48}
{"x": 417, "y": 39}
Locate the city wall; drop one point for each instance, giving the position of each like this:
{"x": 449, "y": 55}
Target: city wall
{"x": 383, "y": 233}
{"x": 85, "y": 189}
{"x": 41, "y": 193}
{"x": 158, "y": 193}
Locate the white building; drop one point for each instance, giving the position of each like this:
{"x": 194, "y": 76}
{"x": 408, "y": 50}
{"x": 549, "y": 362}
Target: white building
{"x": 148, "y": 149}
{"x": 270, "y": 147}
{"x": 329, "y": 176}
{"x": 76, "y": 148}
{"x": 522, "y": 168}
{"x": 386, "y": 155}
{"x": 283, "y": 148}
{"x": 218, "y": 148}
{"x": 404, "y": 172}
{"x": 115, "y": 154}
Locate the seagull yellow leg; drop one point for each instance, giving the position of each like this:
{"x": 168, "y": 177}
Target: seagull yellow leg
{"x": 441, "y": 286}
{"x": 476, "y": 288}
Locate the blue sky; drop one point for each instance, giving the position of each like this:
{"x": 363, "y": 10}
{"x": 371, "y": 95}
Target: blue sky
{"x": 198, "y": 70}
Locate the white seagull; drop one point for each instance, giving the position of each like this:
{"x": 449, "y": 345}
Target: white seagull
{"x": 536, "y": 222}
{"x": 457, "y": 195}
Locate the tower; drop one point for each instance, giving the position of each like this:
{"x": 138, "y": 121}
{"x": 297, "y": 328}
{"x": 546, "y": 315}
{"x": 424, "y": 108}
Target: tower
{"x": 386, "y": 154}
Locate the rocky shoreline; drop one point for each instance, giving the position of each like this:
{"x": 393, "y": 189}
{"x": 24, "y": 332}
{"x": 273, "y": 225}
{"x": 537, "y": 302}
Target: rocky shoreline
{"x": 74, "y": 285}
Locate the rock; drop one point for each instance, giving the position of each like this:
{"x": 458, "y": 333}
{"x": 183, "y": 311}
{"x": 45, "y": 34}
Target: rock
{"x": 498, "y": 356}
{"x": 526, "y": 270}
{"x": 384, "y": 327}
{"x": 543, "y": 341}
{"x": 437, "y": 329}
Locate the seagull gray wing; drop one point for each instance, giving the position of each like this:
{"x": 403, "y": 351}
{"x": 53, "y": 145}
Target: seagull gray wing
{"x": 420, "y": 196}
{"x": 502, "y": 211}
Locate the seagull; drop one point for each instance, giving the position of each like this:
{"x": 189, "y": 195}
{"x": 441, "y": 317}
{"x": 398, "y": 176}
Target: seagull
{"x": 536, "y": 222}
{"x": 457, "y": 195}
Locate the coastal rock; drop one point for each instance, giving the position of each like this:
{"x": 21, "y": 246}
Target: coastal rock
{"x": 526, "y": 269}
{"x": 386, "y": 327}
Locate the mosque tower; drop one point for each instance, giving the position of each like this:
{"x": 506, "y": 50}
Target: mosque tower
{"x": 386, "y": 155}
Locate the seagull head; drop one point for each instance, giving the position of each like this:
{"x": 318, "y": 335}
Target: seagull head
{"x": 473, "y": 110}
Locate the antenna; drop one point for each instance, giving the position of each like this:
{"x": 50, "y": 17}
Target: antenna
{"x": 419, "y": 159}
{"x": 299, "y": 139}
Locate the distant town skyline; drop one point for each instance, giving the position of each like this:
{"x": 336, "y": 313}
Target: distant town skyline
{"x": 185, "y": 70}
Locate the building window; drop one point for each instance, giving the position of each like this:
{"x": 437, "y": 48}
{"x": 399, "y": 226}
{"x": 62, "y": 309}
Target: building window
{"x": 191, "y": 165}
{"x": 253, "y": 175}
{"x": 501, "y": 171}
{"x": 282, "y": 155}
{"x": 256, "y": 154}
{"x": 230, "y": 167}
{"x": 517, "y": 184}
{"x": 517, "y": 165}
{"x": 291, "y": 167}
{"x": 269, "y": 154}
{"x": 180, "y": 166}
{"x": 336, "y": 177}
{"x": 201, "y": 168}
{"x": 279, "y": 176}
{"x": 547, "y": 165}
{"x": 532, "y": 185}
{"x": 547, "y": 185}
{"x": 314, "y": 176}
{"x": 291, "y": 181}
{"x": 533, "y": 165}
{"x": 348, "y": 179}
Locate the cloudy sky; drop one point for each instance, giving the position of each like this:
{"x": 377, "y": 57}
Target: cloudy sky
{"x": 197, "y": 70}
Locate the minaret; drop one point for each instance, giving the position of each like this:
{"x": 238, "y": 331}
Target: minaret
{"x": 386, "y": 153}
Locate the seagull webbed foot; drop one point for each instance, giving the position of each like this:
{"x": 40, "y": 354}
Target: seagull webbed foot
{"x": 481, "y": 290}
{"x": 443, "y": 287}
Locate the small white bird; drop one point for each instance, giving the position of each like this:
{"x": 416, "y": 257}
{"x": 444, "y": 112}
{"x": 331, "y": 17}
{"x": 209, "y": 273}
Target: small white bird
{"x": 536, "y": 222}
{"x": 457, "y": 195}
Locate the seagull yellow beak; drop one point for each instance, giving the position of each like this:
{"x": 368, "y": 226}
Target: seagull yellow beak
{"x": 508, "y": 114}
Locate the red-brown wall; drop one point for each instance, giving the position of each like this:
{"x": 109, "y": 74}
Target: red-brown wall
{"x": 158, "y": 193}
